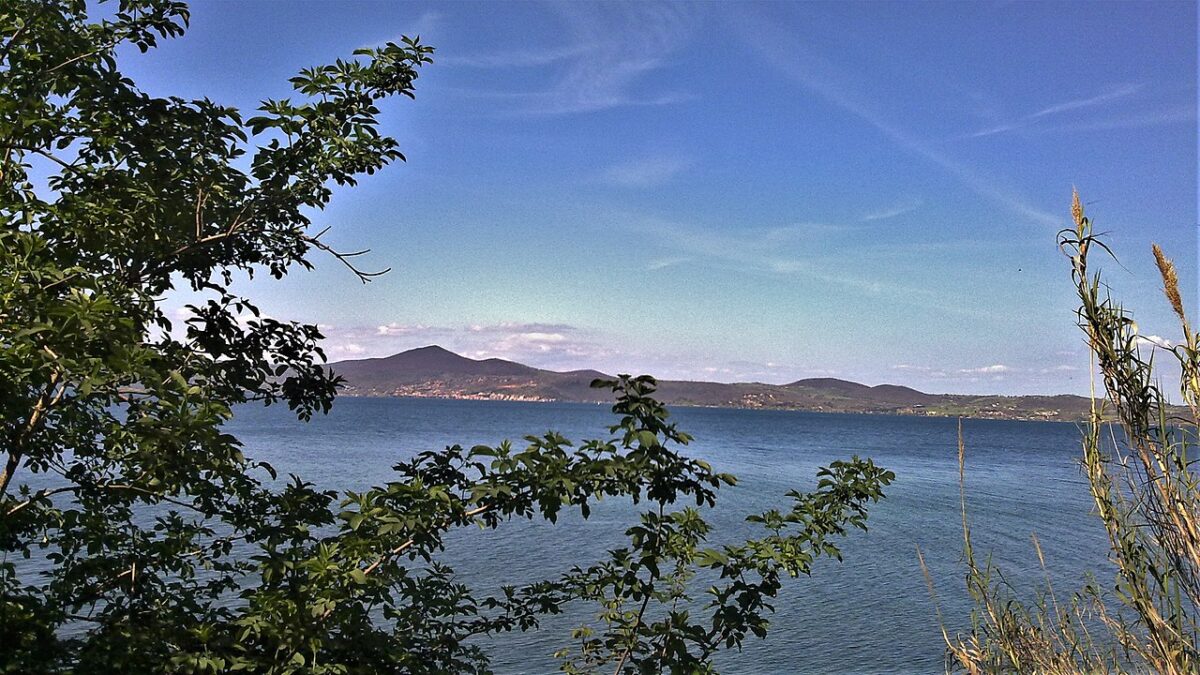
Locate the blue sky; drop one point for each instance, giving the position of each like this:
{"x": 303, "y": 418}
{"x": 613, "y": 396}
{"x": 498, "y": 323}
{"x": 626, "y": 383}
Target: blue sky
{"x": 740, "y": 191}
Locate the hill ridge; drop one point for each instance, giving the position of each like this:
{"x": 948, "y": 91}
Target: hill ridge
{"x": 435, "y": 372}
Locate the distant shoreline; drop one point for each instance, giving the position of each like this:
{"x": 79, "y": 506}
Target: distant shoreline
{"x": 872, "y": 413}
{"x": 435, "y": 372}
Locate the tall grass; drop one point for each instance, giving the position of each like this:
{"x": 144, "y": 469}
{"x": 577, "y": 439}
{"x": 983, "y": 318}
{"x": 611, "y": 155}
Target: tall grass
{"x": 1137, "y": 456}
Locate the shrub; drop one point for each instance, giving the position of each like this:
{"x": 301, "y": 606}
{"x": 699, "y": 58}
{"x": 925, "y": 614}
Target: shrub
{"x": 167, "y": 549}
{"x": 1145, "y": 487}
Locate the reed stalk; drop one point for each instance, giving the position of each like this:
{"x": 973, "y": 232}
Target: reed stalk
{"x": 1136, "y": 455}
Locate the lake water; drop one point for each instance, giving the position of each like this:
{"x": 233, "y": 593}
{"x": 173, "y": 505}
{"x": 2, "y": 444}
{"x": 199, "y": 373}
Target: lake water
{"x": 871, "y": 613}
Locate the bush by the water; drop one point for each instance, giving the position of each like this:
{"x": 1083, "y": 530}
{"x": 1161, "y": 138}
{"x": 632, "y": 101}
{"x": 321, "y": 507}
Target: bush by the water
{"x": 162, "y": 547}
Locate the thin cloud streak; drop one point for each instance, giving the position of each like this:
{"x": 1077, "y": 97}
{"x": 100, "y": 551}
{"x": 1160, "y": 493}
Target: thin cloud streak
{"x": 992, "y": 131}
{"x": 664, "y": 263}
{"x": 608, "y": 55}
{"x": 422, "y": 27}
{"x": 1113, "y": 93}
{"x": 646, "y": 172}
{"x": 822, "y": 78}
{"x": 1034, "y": 119}
{"x": 758, "y": 251}
{"x": 516, "y": 59}
{"x": 894, "y": 211}
{"x": 1177, "y": 115}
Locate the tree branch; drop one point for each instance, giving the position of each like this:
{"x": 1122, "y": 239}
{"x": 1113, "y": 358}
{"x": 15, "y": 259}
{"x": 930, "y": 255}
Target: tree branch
{"x": 344, "y": 258}
{"x": 105, "y": 486}
{"x": 408, "y": 544}
{"x": 637, "y": 624}
{"x": 404, "y": 547}
{"x": 46, "y": 400}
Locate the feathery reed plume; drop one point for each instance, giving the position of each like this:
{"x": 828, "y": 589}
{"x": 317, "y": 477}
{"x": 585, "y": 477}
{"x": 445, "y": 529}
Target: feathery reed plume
{"x": 1145, "y": 484}
{"x": 1188, "y": 351}
{"x": 1170, "y": 281}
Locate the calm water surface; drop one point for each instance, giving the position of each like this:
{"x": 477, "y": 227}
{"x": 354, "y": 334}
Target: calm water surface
{"x": 871, "y": 613}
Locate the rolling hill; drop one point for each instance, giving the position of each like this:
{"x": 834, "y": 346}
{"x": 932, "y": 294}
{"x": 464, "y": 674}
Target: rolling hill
{"x": 439, "y": 373}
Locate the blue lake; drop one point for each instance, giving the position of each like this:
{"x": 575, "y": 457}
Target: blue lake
{"x": 871, "y": 613}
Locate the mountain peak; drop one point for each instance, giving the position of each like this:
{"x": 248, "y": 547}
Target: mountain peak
{"x": 429, "y": 352}
{"x": 830, "y": 384}
{"x": 889, "y": 393}
{"x": 425, "y": 363}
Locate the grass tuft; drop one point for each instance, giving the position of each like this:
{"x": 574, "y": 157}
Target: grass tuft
{"x": 1146, "y": 491}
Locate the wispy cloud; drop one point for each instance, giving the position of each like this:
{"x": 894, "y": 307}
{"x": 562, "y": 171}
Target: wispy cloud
{"x": 545, "y": 345}
{"x": 349, "y": 349}
{"x": 1036, "y": 120}
{"x": 897, "y": 209}
{"x": 553, "y": 346}
{"x": 995, "y": 369}
{"x": 560, "y": 346}
{"x": 524, "y": 58}
{"x": 1049, "y": 378}
{"x": 517, "y": 340}
{"x": 423, "y": 26}
{"x": 609, "y": 51}
{"x": 664, "y": 263}
{"x": 992, "y": 131}
{"x": 940, "y": 373}
{"x": 1039, "y": 121}
{"x": 754, "y": 250}
{"x": 1179, "y": 114}
{"x": 1110, "y": 94}
{"x": 646, "y": 172}
{"x": 1154, "y": 341}
{"x": 395, "y": 329}
{"x": 909, "y": 366}
{"x": 771, "y": 251}
{"x": 816, "y": 74}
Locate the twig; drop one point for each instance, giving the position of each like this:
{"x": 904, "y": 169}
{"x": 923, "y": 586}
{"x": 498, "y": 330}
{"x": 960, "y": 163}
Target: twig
{"x": 344, "y": 258}
{"x": 404, "y": 547}
{"x": 44, "y": 402}
{"x": 200, "y": 199}
{"x": 637, "y": 624}
{"x": 104, "y": 486}
{"x": 408, "y": 544}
